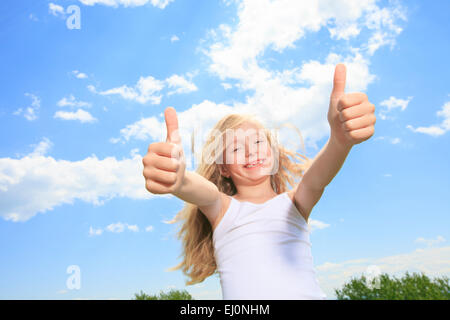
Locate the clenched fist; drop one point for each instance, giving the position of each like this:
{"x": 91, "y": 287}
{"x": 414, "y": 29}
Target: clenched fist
{"x": 351, "y": 116}
{"x": 164, "y": 163}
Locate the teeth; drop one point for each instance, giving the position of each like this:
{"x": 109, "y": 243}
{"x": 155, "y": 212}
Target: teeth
{"x": 252, "y": 165}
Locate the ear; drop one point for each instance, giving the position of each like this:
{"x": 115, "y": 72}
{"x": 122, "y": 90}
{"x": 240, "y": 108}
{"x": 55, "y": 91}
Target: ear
{"x": 224, "y": 171}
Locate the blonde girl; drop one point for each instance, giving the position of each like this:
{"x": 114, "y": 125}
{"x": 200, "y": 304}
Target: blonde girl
{"x": 245, "y": 217}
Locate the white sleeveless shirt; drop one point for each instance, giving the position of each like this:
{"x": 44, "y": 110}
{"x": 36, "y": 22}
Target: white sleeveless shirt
{"x": 263, "y": 252}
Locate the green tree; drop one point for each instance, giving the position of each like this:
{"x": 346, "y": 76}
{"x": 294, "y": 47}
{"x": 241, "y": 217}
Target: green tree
{"x": 171, "y": 295}
{"x": 409, "y": 287}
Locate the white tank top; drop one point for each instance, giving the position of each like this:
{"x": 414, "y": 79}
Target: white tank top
{"x": 263, "y": 252}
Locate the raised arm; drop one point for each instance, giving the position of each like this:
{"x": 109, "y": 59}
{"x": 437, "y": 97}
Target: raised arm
{"x": 352, "y": 119}
{"x": 165, "y": 172}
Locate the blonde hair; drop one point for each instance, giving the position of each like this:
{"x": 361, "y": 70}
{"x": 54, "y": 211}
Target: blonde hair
{"x": 196, "y": 232}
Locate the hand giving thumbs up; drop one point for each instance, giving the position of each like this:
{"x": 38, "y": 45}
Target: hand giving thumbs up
{"x": 164, "y": 163}
{"x": 350, "y": 115}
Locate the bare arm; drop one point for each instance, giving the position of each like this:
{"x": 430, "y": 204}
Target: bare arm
{"x": 351, "y": 117}
{"x": 205, "y": 194}
{"x": 324, "y": 168}
{"x": 197, "y": 190}
{"x": 326, "y": 165}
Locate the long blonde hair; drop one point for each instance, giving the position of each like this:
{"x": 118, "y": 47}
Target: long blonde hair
{"x": 196, "y": 232}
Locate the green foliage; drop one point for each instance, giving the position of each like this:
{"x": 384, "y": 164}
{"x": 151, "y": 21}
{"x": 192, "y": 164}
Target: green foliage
{"x": 409, "y": 287}
{"x": 171, "y": 295}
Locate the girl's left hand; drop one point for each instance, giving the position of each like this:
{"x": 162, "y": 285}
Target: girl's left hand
{"x": 351, "y": 116}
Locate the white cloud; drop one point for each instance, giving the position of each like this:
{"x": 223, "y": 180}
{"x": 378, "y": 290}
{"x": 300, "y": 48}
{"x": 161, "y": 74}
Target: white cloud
{"x": 30, "y": 112}
{"x": 161, "y": 4}
{"x": 116, "y": 227}
{"x": 430, "y": 242}
{"x": 36, "y": 184}
{"x": 95, "y": 232}
{"x": 41, "y": 148}
{"x": 434, "y": 262}
{"x": 79, "y": 75}
{"x": 80, "y": 115}
{"x": 316, "y": 225}
{"x": 133, "y": 228}
{"x": 148, "y": 89}
{"x": 149, "y": 228}
{"x": 391, "y": 104}
{"x": 180, "y": 84}
{"x": 56, "y": 10}
{"x": 72, "y": 102}
{"x": 174, "y": 38}
{"x": 439, "y": 129}
{"x": 226, "y": 86}
{"x": 145, "y": 90}
{"x": 33, "y": 17}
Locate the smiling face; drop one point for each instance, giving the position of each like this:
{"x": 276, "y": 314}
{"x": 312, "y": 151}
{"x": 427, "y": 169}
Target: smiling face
{"x": 248, "y": 157}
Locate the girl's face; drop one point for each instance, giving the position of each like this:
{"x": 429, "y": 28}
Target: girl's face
{"x": 248, "y": 156}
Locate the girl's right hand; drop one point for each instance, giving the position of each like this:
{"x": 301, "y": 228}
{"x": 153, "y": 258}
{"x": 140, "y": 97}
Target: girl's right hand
{"x": 164, "y": 163}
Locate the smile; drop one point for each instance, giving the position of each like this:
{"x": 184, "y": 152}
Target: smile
{"x": 257, "y": 163}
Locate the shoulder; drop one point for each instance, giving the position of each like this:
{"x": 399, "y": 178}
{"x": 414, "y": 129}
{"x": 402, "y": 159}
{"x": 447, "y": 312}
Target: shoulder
{"x": 225, "y": 201}
{"x": 291, "y": 195}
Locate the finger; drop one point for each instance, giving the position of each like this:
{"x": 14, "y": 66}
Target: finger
{"x": 340, "y": 74}
{"x": 165, "y": 149}
{"x": 362, "y": 134}
{"x": 166, "y": 163}
{"x": 356, "y": 111}
{"x": 157, "y": 187}
{"x": 167, "y": 178}
{"x": 352, "y": 99}
{"x": 170, "y": 116}
{"x": 359, "y": 123}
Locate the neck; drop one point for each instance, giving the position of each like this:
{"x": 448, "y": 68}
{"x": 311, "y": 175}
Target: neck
{"x": 259, "y": 190}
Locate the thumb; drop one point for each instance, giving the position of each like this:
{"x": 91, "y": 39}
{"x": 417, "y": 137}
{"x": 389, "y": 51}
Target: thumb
{"x": 173, "y": 134}
{"x": 339, "y": 81}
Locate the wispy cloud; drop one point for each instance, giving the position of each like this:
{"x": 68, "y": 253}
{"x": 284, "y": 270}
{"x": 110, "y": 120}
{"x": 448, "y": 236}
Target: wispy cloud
{"x": 79, "y": 75}
{"x": 149, "y": 89}
{"x": 72, "y": 102}
{"x": 180, "y": 84}
{"x": 145, "y": 90}
{"x": 161, "y": 4}
{"x": 56, "y": 10}
{"x": 117, "y": 227}
{"x": 30, "y": 112}
{"x": 79, "y": 115}
{"x": 437, "y": 129}
{"x": 174, "y": 38}
{"x": 391, "y": 104}
{"x": 430, "y": 242}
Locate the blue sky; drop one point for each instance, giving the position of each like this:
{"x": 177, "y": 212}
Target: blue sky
{"x": 79, "y": 108}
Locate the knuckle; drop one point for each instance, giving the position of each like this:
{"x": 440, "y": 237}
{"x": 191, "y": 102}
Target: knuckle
{"x": 346, "y": 126}
{"x": 345, "y": 115}
{"x": 172, "y": 177}
{"x": 374, "y": 118}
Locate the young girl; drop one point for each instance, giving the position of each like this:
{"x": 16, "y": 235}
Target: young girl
{"x": 241, "y": 220}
